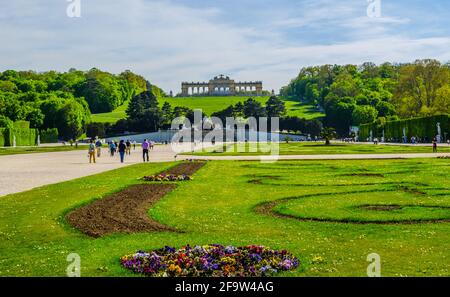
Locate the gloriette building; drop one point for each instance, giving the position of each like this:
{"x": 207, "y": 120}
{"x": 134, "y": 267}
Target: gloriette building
{"x": 221, "y": 86}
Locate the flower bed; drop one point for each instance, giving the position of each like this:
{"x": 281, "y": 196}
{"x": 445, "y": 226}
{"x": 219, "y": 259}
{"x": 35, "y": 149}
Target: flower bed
{"x": 167, "y": 177}
{"x": 210, "y": 260}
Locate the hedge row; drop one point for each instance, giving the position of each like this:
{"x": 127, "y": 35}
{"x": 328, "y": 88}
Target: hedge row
{"x": 49, "y": 136}
{"x": 3, "y": 136}
{"x": 424, "y": 128}
{"x": 26, "y": 136}
{"x": 21, "y": 125}
{"x": 20, "y": 132}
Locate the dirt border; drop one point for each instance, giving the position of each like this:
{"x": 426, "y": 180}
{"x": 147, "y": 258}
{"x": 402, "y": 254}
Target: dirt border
{"x": 187, "y": 168}
{"x": 127, "y": 211}
{"x": 266, "y": 208}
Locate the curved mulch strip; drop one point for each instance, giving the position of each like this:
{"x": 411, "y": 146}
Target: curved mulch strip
{"x": 122, "y": 212}
{"x": 267, "y": 208}
{"x": 127, "y": 210}
{"x": 187, "y": 168}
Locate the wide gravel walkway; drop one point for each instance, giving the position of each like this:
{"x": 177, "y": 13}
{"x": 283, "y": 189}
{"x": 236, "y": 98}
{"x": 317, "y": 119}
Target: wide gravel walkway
{"x": 26, "y": 171}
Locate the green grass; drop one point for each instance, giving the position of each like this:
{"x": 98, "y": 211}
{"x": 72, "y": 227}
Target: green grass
{"x": 111, "y": 117}
{"x": 38, "y": 149}
{"x": 210, "y": 105}
{"x": 314, "y": 148}
{"x": 218, "y": 206}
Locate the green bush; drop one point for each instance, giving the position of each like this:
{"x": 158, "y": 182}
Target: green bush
{"x": 418, "y": 127}
{"x": 96, "y": 129}
{"x": 24, "y": 137}
{"x": 2, "y": 136}
{"x": 49, "y": 135}
{"x": 23, "y": 134}
{"x": 21, "y": 125}
{"x": 5, "y": 122}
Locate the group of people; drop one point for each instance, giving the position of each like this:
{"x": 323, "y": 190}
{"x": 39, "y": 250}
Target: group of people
{"x": 123, "y": 148}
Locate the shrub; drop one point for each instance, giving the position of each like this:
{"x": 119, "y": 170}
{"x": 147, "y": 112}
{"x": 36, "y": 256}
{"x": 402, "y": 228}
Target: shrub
{"x": 96, "y": 129}
{"x": 49, "y": 135}
{"x": 419, "y": 127}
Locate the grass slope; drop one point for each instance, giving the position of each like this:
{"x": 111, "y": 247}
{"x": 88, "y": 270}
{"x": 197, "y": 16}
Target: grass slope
{"x": 35, "y": 240}
{"x": 210, "y": 105}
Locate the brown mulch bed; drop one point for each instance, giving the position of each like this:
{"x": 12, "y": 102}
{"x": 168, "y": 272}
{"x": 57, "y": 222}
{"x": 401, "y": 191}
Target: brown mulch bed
{"x": 122, "y": 212}
{"x": 127, "y": 210}
{"x": 187, "y": 168}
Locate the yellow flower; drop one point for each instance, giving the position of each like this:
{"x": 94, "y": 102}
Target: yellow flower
{"x": 317, "y": 259}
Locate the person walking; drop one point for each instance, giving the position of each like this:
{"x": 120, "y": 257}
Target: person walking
{"x": 145, "y": 147}
{"x": 122, "y": 150}
{"x": 134, "y": 145}
{"x": 91, "y": 151}
{"x": 128, "y": 143}
{"x": 434, "y": 145}
{"x": 98, "y": 147}
{"x": 112, "y": 148}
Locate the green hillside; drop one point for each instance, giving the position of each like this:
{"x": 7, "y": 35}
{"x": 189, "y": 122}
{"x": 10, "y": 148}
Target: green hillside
{"x": 210, "y": 105}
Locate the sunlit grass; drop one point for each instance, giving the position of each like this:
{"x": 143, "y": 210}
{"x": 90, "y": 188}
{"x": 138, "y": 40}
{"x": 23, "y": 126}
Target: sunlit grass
{"x": 314, "y": 148}
{"x": 218, "y": 206}
{"x": 210, "y": 105}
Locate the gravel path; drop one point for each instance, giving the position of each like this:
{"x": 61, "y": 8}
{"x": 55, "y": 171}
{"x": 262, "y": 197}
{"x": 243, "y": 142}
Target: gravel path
{"x": 24, "y": 172}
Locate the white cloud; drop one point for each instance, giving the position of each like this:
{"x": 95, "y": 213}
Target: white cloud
{"x": 169, "y": 43}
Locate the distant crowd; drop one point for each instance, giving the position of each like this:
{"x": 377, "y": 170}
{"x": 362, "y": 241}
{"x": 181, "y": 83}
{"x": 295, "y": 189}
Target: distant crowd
{"x": 122, "y": 148}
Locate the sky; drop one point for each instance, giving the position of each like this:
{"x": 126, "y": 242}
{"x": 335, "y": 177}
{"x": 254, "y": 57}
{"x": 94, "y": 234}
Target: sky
{"x": 170, "y": 41}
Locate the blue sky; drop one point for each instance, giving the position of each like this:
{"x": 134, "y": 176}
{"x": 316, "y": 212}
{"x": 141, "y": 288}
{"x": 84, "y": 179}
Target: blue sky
{"x": 169, "y": 41}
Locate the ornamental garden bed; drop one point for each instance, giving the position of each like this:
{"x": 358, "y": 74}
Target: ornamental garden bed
{"x": 210, "y": 261}
{"x": 122, "y": 212}
{"x": 127, "y": 210}
{"x": 181, "y": 172}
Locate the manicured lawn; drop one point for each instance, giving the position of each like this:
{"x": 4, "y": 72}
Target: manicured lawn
{"x": 38, "y": 149}
{"x": 111, "y": 117}
{"x": 220, "y": 206}
{"x": 210, "y": 105}
{"x": 315, "y": 148}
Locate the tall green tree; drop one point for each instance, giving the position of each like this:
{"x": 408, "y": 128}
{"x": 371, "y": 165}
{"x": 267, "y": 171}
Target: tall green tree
{"x": 275, "y": 107}
{"x": 253, "y": 108}
{"x": 140, "y": 103}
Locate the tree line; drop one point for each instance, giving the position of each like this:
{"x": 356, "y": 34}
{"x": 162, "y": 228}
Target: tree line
{"x": 144, "y": 114}
{"x": 64, "y": 100}
{"x": 352, "y": 95}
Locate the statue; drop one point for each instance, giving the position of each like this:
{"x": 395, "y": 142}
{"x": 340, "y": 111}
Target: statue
{"x": 382, "y": 137}
{"x": 438, "y": 136}
{"x": 39, "y": 140}
{"x": 14, "y": 141}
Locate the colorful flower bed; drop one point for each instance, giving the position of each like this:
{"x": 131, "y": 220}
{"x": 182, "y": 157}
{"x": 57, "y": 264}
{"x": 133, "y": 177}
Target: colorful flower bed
{"x": 210, "y": 260}
{"x": 167, "y": 177}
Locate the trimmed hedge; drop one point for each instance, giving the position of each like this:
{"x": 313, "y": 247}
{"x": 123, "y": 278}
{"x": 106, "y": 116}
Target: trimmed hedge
{"x": 21, "y": 130}
{"x": 21, "y": 125}
{"x": 49, "y": 135}
{"x": 419, "y": 127}
{"x": 3, "y": 136}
